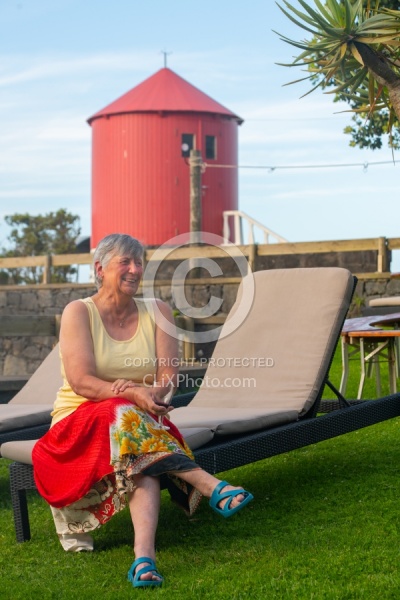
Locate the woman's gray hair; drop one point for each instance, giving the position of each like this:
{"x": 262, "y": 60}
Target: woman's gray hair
{"x": 115, "y": 244}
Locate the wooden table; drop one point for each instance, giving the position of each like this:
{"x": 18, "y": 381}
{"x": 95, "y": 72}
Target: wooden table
{"x": 372, "y": 338}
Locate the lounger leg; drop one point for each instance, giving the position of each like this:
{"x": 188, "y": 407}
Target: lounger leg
{"x": 392, "y": 365}
{"x": 345, "y": 365}
{"x": 377, "y": 368}
{"x": 363, "y": 371}
{"x": 19, "y": 503}
{"x": 396, "y": 348}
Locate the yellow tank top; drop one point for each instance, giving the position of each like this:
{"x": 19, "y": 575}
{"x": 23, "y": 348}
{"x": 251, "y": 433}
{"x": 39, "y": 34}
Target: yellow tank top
{"x": 129, "y": 359}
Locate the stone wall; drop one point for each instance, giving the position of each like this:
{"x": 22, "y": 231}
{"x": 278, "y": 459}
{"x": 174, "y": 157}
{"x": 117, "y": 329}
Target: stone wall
{"x": 362, "y": 261}
{"x": 368, "y": 289}
{"x": 356, "y": 262}
{"x": 20, "y": 356}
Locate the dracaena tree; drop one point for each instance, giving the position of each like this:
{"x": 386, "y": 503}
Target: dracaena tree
{"x": 353, "y": 52}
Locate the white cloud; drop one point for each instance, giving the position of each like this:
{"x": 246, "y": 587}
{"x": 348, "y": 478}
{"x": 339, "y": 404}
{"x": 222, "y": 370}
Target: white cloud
{"x": 27, "y": 69}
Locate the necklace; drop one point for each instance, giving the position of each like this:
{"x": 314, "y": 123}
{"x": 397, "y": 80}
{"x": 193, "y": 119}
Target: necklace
{"x": 121, "y": 320}
{"x": 109, "y": 315}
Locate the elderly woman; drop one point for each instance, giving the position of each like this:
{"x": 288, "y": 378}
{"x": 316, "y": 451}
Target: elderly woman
{"x": 105, "y": 447}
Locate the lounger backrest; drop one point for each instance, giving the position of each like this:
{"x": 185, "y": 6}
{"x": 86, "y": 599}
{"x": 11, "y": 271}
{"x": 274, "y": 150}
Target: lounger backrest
{"x": 43, "y": 385}
{"x": 280, "y": 355}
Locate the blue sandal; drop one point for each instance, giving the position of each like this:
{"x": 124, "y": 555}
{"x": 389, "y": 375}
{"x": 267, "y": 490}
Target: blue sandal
{"x": 134, "y": 576}
{"x": 218, "y": 495}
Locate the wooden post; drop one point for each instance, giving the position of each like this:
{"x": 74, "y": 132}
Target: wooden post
{"x": 383, "y": 262}
{"x": 195, "y": 164}
{"x": 252, "y": 257}
{"x": 47, "y": 269}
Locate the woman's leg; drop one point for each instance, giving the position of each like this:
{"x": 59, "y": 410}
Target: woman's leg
{"x": 144, "y": 506}
{"x": 206, "y": 483}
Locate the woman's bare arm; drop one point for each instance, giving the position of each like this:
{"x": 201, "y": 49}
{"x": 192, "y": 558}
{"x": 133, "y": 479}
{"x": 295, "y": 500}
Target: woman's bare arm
{"x": 76, "y": 346}
{"x": 166, "y": 347}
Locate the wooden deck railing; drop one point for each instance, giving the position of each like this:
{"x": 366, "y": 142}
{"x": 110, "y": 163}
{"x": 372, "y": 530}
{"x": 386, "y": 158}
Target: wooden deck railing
{"x": 380, "y": 245}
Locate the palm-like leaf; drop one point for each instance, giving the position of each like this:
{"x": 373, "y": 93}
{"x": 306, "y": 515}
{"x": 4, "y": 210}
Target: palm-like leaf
{"x": 342, "y": 32}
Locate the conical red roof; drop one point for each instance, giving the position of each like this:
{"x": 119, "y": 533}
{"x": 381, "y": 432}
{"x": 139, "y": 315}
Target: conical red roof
{"x": 165, "y": 91}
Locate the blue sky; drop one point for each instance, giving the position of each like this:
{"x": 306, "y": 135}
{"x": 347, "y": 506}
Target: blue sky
{"x": 61, "y": 61}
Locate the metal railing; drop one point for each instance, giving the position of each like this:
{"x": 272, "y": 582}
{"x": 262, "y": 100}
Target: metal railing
{"x": 241, "y": 219}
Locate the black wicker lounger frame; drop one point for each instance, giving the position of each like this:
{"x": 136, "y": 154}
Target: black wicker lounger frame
{"x": 236, "y": 451}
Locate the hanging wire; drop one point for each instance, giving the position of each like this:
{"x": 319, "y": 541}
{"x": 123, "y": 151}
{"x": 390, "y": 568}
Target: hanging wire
{"x": 271, "y": 169}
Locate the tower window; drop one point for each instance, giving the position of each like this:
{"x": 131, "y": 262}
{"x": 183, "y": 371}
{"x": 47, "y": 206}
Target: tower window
{"x": 187, "y": 144}
{"x": 211, "y": 147}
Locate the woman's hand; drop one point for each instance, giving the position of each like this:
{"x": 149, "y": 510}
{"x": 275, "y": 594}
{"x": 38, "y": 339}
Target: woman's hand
{"x": 163, "y": 391}
{"x": 150, "y": 400}
{"x": 120, "y": 385}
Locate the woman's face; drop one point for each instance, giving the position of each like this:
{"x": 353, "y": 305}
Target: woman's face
{"x": 122, "y": 273}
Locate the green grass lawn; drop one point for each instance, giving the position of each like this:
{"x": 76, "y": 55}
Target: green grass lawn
{"x": 323, "y": 525}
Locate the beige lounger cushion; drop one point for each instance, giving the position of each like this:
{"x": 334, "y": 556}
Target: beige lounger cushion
{"x": 195, "y": 437}
{"x": 43, "y": 385}
{"x": 229, "y": 421}
{"x": 21, "y": 450}
{"x": 293, "y": 325}
{"x": 392, "y": 301}
{"x": 32, "y": 405}
{"x": 23, "y": 415}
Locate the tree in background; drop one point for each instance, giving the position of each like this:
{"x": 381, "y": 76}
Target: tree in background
{"x": 35, "y": 235}
{"x": 354, "y": 49}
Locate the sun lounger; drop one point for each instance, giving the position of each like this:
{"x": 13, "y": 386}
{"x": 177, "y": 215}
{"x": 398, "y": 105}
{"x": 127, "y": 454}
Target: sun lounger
{"x": 295, "y": 320}
{"x": 27, "y": 415}
{"x": 271, "y": 370}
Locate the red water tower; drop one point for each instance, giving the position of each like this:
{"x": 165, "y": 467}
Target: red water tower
{"x": 140, "y": 168}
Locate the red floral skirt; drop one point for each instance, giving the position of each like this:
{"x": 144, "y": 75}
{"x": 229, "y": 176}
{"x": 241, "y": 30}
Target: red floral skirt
{"x": 85, "y": 464}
